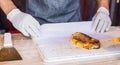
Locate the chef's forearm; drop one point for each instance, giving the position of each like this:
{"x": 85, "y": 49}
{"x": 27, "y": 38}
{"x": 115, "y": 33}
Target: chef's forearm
{"x": 7, "y": 6}
{"x": 104, "y": 3}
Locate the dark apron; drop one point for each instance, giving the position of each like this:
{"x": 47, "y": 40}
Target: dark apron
{"x": 54, "y": 11}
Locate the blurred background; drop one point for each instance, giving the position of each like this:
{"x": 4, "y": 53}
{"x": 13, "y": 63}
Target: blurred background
{"x": 88, "y": 8}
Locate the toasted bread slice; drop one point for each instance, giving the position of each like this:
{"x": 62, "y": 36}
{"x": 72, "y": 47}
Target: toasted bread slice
{"x": 84, "y": 41}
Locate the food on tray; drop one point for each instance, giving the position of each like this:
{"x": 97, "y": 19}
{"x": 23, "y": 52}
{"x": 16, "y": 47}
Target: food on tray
{"x": 85, "y": 41}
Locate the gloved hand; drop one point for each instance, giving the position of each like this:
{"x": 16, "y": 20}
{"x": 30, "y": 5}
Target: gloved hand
{"x": 101, "y": 20}
{"x": 25, "y": 23}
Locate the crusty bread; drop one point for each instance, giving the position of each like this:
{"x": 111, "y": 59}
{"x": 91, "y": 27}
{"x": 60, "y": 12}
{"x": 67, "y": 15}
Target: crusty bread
{"x": 85, "y": 41}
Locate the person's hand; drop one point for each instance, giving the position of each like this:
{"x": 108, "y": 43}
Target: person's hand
{"x": 101, "y": 20}
{"x": 25, "y": 23}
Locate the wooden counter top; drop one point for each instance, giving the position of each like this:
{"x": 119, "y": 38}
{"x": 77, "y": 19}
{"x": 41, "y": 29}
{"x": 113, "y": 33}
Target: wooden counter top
{"x": 30, "y": 55}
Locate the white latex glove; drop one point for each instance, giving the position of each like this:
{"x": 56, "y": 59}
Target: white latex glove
{"x": 25, "y": 23}
{"x": 101, "y": 20}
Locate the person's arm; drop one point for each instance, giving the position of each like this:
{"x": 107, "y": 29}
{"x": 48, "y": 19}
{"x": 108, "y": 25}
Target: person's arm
{"x": 7, "y": 6}
{"x": 101, "y": 20}
{"x": 23, "y": 22}
{"x": 103, "y": 3}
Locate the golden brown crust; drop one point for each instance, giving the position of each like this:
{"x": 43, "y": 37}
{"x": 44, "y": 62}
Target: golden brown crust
{"x": 85, "y": 41}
